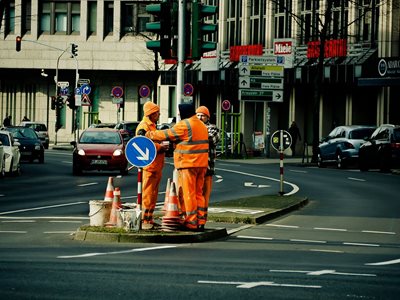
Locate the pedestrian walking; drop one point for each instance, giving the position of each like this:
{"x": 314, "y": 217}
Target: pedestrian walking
{"x": 7, "y": 121}
{"x": 152, "y": 173}
{"x": 190, "y": 160}
{"x": 295, "y": 133}
{"x": 214, "y": 136}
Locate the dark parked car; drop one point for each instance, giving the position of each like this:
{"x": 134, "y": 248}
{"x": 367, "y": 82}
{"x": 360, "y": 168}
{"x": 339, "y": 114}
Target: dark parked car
{"x": 101, "y": 149}
{"x": 382, "y": 149}
{"x": 30, "y": 146}
{"x": 341, "y": 146}
{"x": 127, "y": 129}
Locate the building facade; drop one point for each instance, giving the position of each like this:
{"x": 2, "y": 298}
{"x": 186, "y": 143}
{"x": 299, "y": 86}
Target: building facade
{"x": 339, "y": 89}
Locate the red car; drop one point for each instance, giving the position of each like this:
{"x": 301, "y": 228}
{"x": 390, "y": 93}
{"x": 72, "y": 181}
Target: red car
{"x": 100, "y": 149}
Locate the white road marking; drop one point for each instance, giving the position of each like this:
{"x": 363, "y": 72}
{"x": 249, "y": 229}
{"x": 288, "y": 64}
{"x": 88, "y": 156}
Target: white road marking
{"x": 44, "y": 218}
{"x": 329, "y": 251}
{"x": 219, "y": 178}
{"x": 249, "y": 285}
{"x": 356, "y": 179}
{"x": 116, "y": 252}
{"x": 234, "y": 230}
{"x": 323, "y": 272}
{"x": 298, "y": 171}
{"x": 65, "y": 221}
{"x": 282, "y": 226}
{"x": 12, "y": 231}
{"x": 2, "y": 195}
{"x": 67, "y": 162}
{"x": 295, "y": 188}
{"x": 361, "y": 244}
{"x": 87, "y": 184}
{"x": 19, "y": 221}
{"x": 41, "y": 208}
{"x": 379, "y": 232}
{"x": 59, "y": 232}
{"x": 384, "y": 263}
{"x": 308, "y": 241}
{"x": 254, "y": 237}
{"x": 251, "y": 184}
{"x": 329, "y": 229}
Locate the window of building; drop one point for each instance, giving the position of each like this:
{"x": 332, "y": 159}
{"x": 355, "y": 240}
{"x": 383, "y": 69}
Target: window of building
{"x": 9, "y": 17}
{"x": 108, "y": 18}
{"x": 26, "y": 16}
{"x": 61, "y": 17}
{"x": 92, "y": 26}
{"x": 256, "y": 17}
{"x": 368, "y": 20}
{"x": 309, "y": 21}
{"x": 283, "y": 20}
{"x": 234, "y": 22}
{"x": 340, "y": 17}
{"x": 133, "y": 18}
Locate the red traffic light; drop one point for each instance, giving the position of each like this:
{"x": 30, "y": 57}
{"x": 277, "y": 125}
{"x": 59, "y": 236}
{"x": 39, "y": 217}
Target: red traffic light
{"x": 18, "y": 41}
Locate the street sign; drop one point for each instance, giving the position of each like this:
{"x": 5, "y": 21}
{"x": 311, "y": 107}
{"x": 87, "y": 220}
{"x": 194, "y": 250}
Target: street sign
{"x": 144, "y": 91}
{"x": 82, "y": 81}
{"x": 188, "y": 89}
{"x": 117, "y": 91}
{"x": 85, "y": 100}
{"x": 63, "y": 84}
{"x": 226, "y": 105}
{"x": 261, "y": 95}
{"x": 264, "y": 60}
{"x": 64, "y": 91}
{"x": 140, "y": 151}
{"x": 269, "y": 83}
{"x": 117, "y": 100}
{"x": 281, "y": 140}
{"x": 253, "y": 70}
{"x": 86, "y": 89}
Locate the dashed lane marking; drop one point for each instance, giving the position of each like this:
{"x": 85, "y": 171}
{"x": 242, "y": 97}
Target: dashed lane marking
{"x": 12, "y": 231}
{"x": 356, "y": 179}
{"x": 41, "y": 208}
{"x": 329, "y": 229}
{"x": 384, "y": 263}
{"x": 249, "y": 285}
{"x": 88, "y": 184}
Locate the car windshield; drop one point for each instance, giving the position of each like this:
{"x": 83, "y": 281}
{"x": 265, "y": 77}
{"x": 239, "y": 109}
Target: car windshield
{"x": 4, "y": 139}
{"x": 396, "y": 135}
{"x": 360, "y": 134}
{"x": 37, "y": 127}
{"x": 23, "y": 133}
{"x": 100, "y": 137}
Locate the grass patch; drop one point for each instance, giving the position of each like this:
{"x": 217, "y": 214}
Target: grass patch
{"x": 266, "y": 201}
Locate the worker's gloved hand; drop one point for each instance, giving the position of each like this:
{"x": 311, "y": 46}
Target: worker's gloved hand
{"x": 141, "y": 132}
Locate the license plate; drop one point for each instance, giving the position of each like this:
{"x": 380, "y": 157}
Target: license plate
{"x": 99, "y": 162}
{"x": 26, "y": 153}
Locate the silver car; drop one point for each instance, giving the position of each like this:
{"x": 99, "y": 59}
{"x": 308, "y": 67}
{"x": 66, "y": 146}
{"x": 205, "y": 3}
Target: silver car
{"x": 341, "y": 146}
{"x": 11, "y": 153}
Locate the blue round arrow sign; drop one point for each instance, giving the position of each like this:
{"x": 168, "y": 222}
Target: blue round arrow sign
{"x": 140, "y": 151}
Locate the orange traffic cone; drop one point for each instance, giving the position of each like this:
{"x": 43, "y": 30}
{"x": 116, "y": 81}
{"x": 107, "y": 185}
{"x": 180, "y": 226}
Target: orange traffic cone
{"x": 167, "y": 194}
{"x": 109, "y": 196}
{"x": 171, "y": 220}
{"x": 115, "y": 206}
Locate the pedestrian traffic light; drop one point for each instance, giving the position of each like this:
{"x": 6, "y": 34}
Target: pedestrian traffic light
{"x": 53, "y": 103}
{"x": 162, "y": 11}
{"x": 71, "y": 101}
{"x": 200, "y": 29}
{"x": 74, "y": 49}
{"x": 18, "y": 41}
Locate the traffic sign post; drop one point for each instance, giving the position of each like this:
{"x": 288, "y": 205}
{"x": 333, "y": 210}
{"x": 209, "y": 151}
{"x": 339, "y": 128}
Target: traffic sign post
{"x": 280, "y": 141}
{"x": 140, "y": 151}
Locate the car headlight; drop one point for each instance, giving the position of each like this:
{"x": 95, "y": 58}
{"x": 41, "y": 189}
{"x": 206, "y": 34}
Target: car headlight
{"x": 81, "y": 152}
{"x": 118, "y": 152}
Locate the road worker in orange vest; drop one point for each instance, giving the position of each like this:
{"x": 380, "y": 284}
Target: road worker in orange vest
{"x": 153, "y": 172}
{"x": 214, "y": 137}
{"x": 191, "y": 161}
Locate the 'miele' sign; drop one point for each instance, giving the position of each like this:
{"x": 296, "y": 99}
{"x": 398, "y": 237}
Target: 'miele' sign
{"x": 333, "y": 48}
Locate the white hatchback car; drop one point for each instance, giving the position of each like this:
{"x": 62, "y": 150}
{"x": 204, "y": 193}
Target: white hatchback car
{"x": 11, "y": 154}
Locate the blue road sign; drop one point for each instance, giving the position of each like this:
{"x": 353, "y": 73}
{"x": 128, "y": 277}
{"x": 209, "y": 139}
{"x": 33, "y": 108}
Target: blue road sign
{"x": 86, "y": 89}
{"x": 140, "y": 151}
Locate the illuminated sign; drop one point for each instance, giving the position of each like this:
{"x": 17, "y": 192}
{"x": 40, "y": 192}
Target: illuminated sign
{"x": 236, "y": 51}
{"x": 333, "y": 48}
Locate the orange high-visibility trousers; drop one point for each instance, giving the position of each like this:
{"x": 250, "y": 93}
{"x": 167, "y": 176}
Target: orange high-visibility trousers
{"x": 191, "y": 183}
{"x": 207, "y": 186}
{"x": 150, "y": 184}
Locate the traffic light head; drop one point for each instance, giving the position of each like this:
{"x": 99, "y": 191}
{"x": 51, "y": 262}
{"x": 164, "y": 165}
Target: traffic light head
{"x": 200, "y": 28}
{"x": 59, "y": 102}
{"x": 53, "y": 103}
{"x": 18, "y": 41}
{"x": 162, "y": 27}
{"x": 74, "y": 49}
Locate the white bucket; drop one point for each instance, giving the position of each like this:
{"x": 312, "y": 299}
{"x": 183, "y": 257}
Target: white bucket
{"x": 99, "y": 212}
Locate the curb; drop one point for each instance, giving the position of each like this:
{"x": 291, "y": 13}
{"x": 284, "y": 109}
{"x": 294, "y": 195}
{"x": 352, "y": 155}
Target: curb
{"x": 156, "y": 236}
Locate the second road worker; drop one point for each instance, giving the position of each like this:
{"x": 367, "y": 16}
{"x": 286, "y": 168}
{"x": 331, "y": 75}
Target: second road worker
{"x": 153, "y": 172}
{"x": 191, "y": 160}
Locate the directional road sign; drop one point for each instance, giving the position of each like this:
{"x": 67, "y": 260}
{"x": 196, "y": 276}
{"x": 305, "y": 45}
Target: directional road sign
{"x": 265, "y": 60}
{"x": 254, "y": 70}
{"x": 269, "y": 83}
{"x": 140, "y": 151}
{"x": 261, "y": 95}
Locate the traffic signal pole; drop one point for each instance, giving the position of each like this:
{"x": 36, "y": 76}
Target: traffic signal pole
{"x": 181, "y": 55}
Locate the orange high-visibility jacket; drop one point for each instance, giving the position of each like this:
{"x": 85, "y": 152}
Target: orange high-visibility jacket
{"x": 158, "y": 162}
{"x": 191, "y": 138}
